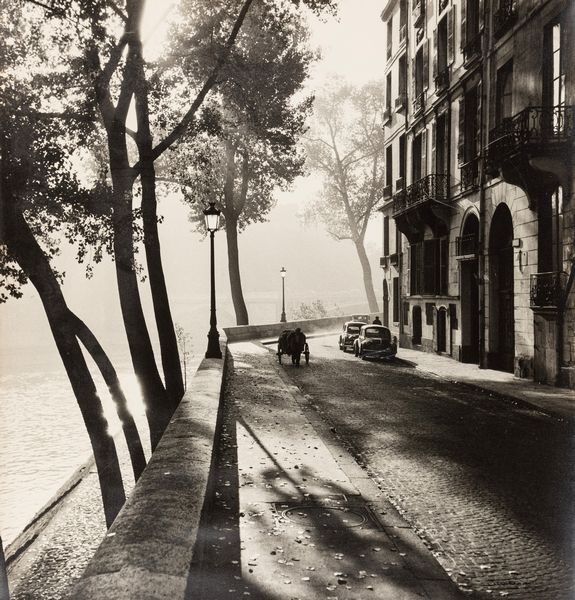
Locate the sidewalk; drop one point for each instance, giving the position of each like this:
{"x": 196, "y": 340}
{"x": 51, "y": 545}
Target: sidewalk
{"x": 553, "y": 401}
{"x": 293, "y": 515}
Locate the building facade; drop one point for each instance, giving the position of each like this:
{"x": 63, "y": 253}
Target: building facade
{"x": 478, "y": 209}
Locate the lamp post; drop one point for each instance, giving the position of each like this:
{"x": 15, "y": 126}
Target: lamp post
{"x": 212, "y": 217}
{"x": 283, "y": 274}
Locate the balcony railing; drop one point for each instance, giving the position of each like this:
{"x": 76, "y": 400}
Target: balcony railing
{"x": 533, "y": 127}
{"x": 442, "y": 79}
{"x": 428, "y": 188}
{"x": 400, "y": 102}
{"x": 546, "y": 289}
{"x": 504, "y": 17}
{"x": 470, "y": 174}
{"x": 472, "y": 48}
{"x": 419, "y": 102}
{"x": 466, "y": 245}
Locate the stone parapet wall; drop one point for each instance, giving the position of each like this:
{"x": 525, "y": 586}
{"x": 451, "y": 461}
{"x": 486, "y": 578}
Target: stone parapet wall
{"x": 148, "y": 550}
{"x": 272, "y": 330}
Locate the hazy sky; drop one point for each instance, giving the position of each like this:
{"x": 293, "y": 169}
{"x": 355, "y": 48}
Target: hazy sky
{"x": 352, "y": 46}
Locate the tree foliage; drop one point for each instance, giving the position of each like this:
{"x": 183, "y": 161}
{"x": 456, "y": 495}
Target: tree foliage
{"x": 346, "y": 148}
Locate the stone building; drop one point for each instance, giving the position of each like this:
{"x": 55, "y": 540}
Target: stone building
{"x": 478, "y": 209}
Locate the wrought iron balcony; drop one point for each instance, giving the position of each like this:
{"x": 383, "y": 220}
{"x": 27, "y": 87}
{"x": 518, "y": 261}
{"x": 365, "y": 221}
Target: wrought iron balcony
{"x": 532, "y": 150}
{"x": 428, "y": 188}
{"x": 546, "y": 290}
{"x": 504, "y": 17}
{"x": 419, "y": 103}
{"x": 400, "y": 102}
{"x": 442, "y": 79}
{"x": 470, "y": 174}
{"x": 535, "y": 128}
{"x": 472, "y": 49}
{"x": 466, "y": 245}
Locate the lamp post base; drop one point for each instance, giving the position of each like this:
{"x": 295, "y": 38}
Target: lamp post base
{"x": 213, "y": 350}
{"x": 283, "y": 318}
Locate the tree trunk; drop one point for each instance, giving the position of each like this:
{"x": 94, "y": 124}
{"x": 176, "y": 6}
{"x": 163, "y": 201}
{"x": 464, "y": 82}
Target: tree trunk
{"x": 133, "y": 441}
{"x": 166, "y": 333}
{"x": 367, "y": 279}
{"x": 25, "y": 250}
{"x": 158, "y": 407}
{"x": 234, "y": 272}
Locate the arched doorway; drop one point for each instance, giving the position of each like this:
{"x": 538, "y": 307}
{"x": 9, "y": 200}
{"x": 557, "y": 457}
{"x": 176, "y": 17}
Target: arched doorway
{"x": 501, "y": 313}
{"x": 416, "y": 325}
{"x": 469, "y": 290}
{"x": 441, "y": 329}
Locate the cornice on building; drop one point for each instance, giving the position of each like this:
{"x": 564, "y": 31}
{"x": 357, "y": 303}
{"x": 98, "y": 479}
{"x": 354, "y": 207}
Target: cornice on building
{"x": 388, "y": 9}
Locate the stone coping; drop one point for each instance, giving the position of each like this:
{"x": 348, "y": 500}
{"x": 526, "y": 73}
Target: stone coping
{"x": 147, "y": 551}
{"x": 271, "y": 330}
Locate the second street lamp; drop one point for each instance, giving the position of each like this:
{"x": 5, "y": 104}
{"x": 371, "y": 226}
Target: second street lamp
{"x": 212, "y": 217}
{"x": 283, "y": 274}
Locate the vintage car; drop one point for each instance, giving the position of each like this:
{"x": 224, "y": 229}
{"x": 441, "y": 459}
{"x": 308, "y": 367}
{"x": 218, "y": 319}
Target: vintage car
{"x": 374, "y": 341}
{"x": 362, "y": 318}
{"x": 349, "y": 334}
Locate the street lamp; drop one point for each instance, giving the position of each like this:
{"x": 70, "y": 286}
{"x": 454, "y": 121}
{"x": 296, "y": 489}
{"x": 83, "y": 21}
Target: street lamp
{"x": 283, "y": 274}
{"x": 212, "y": 217}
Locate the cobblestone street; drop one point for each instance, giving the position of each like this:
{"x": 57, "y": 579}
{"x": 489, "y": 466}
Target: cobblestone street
{"x": 487, "y": 483}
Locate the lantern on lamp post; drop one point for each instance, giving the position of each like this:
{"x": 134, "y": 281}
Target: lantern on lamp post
{"x": 283, "y": 316}
{"x": 212, "y": 217}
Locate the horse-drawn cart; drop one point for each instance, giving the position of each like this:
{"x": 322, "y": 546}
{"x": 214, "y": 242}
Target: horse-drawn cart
{"x": 293, "y": 343}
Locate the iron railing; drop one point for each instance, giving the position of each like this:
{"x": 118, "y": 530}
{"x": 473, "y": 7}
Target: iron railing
{"x": 442, "y": 79}
{"x": 533, "y": 126}
{"x": 466, "y": 245}
{"x": 470, "y": 174}
{"x": 419, "y": 102}
{"x": 504, "y": 17}
{"x": 428, "y": 188}
{"x": 546, "y": 289}
{"x": 472, "y": 48}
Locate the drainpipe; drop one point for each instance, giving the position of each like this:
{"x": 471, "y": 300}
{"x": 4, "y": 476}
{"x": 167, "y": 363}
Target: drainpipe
{"x": 482, "y": 207}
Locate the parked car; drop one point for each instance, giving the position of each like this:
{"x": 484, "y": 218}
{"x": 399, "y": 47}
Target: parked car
{"x": 349, "y": 334}
{"x": 374, "y": 341}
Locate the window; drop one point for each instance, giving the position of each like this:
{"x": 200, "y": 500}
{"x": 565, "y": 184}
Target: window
{"x": 389, "y": 38}
{"x": 402, "y": 157}
{"x": 388, "y": 165}
{"x": 419, "y": 73}
{"x": 397, "y": 241}
{"x": 428, "y": 269}
{"x": 553, "y": 66}
{"x": 396, "y": 299}
{"x": 388, "y": 93}
{"x": 470, "y": 22}
{"x": 416, "y": 151}
{"x": 402, "y": 75}
{"x": 442, "y": 45}
{"x": 504, "y": 92}
{"x": 386, "y": 236}
{"x": 469, "y": 107}
{"x": 441, "y": 145}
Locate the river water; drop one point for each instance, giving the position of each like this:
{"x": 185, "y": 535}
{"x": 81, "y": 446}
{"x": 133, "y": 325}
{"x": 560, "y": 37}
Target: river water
{"x": 43, "y": 439}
